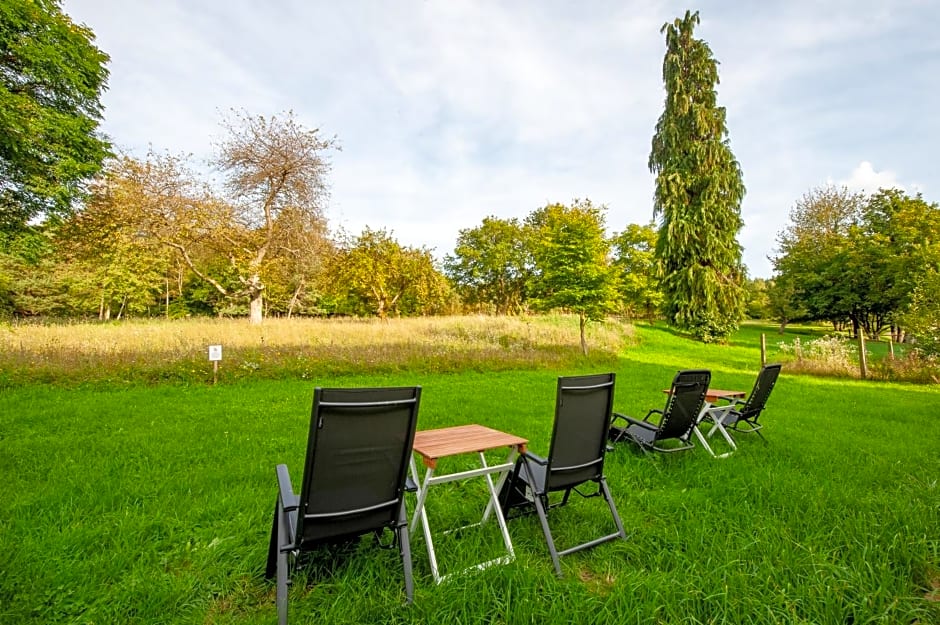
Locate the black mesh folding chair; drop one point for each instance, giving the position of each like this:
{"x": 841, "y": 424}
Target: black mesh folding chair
{"x": 742, "y": 415}
{"x": 576, "y": 456}
{"x": 681, "y": 414}
{"x": 354, "y": 479}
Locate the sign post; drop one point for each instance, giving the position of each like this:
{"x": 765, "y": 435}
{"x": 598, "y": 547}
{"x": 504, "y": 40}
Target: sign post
{"x": 215, "y": 356}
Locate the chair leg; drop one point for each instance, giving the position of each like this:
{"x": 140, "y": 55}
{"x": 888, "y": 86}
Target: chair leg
{"x": 543, "y": 519}
{"x": 404, "y": 546}
{"x": 613, "y": 508}
{"x": 270, "y": 569}
{"x": 282, "y": 567}
{"x": 540, "y": 500}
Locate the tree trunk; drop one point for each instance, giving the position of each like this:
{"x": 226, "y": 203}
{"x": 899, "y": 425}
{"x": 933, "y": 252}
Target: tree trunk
{"x": 294, "y": 298}
{"x": 123, "y": 306}
{"x": 255, "y": 310}
{"x": 582, "y": 319}
{"x": 104, "y": 309}
{"x": 255, "y": 290}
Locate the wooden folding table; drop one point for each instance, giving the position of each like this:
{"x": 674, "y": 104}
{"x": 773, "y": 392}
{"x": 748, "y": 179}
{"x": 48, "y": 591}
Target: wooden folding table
{"x": 432, "y": 445}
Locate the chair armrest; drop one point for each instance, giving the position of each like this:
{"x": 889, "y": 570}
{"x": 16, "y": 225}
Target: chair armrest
{"x": 634, "y": 421}
{"x": 651, "y": 413}
{"x": 410, "y": 486}
{"x": 535, "y": 458}
{"x": 285, "y": 490}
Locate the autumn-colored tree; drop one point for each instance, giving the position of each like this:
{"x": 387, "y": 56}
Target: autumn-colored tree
{"x": 296, "y": 265}
{"x": 374, "y": 274}
{"x": 105, "y": 242}
{"x": 276, "y": 172}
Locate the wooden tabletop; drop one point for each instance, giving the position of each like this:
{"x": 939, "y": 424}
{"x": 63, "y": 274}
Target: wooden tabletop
{"x": 462, "y": 439}
{"x": 714, "y": 394}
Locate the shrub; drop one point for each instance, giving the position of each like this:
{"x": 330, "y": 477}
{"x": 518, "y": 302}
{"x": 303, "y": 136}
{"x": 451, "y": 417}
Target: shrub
{"x": 829, "y": 355}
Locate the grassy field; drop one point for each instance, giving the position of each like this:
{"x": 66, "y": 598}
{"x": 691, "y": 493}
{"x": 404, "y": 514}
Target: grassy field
{"x": 126, "y": 501}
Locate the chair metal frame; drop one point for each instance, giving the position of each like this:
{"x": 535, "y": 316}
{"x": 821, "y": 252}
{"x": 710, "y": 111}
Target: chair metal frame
{"x": 534, "y": 478}
{"x": 746, "y": 411}
{"x": 677, "y": 420}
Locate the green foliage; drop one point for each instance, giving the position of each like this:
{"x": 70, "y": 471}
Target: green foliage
{"x": 757, "y": 298}
{"x": 699, "y": 189}
{"x": 922, "y": 318}
{"x": 572, "y": 268}
{"x": 491, "y": 265}
{"x": 783, "y": 305}
{"x": 105, "y": 241}
{"x": 635, "y": 260}
{"x": 848, "y": 256}
{"x": 375, "y": 275}
{"x": 51, "y": 78}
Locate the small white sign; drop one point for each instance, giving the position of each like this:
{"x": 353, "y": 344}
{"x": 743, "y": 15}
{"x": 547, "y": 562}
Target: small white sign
{"x": 215, "y": 353}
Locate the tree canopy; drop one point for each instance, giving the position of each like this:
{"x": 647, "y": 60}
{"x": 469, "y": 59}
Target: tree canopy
{"x": 491, "y": 265}
{"x": 846, "y": 256}
{"x": 571, "y": 256}
{"x": 374, "y": 274}
{"x": 699, "y": 189}
{"x": 635, "y": 261}
{"x": 51, "y": 79}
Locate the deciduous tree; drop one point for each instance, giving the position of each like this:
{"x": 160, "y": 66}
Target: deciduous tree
{"x": 374, "y": 274}
{"x": 51, "y": 79}
{"x": 572, "y": 268}
{"x": 635, "y": 260}
{"x": 699, "y": 189}
{"x": 273, "y": 167}
{"x": 491, "y": 265}
{"x": 851, "y": 257}
{"x": 105, "y": 239}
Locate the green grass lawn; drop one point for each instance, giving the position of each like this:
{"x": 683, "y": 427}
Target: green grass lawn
{"x": 152, "y": 504}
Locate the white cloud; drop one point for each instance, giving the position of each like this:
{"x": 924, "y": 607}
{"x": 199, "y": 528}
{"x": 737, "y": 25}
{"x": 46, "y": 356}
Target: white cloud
{"x": 864, "y": 178}
{"x": 451, "y": 111}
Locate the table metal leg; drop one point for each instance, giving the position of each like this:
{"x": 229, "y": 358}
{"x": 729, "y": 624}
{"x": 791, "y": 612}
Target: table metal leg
{"x": 494, "y": 503}
{"x": 420, "y": 512}
{"x": 716, "y": 414}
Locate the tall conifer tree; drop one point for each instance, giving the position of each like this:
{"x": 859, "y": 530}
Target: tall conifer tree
{"x": 699, "y": 188}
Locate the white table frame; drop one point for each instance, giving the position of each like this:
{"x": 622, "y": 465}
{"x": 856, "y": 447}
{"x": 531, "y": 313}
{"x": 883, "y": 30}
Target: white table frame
{"x": 486, "y": 471}
{"x": 716, "y": 413}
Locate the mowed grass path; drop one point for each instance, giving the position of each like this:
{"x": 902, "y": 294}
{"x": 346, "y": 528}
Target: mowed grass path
{"x": 152, "y": 504}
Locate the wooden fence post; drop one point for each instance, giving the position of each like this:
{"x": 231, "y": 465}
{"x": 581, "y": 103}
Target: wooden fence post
{"x": 891, "y": 348}
{"x": 763, "y": 349}
{"x": 862, "y": 357}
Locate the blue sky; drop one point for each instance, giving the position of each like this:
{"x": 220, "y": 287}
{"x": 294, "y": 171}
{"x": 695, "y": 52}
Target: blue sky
{"x": 448, "y": 111}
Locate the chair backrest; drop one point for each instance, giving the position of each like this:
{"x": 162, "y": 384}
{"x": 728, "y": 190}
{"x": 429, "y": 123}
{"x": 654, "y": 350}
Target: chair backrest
{"x": 686, "y": 397}
{"x": 583, "y": 407}
{"x": 357, "y": 460}
{"x": 765, "y": 382}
